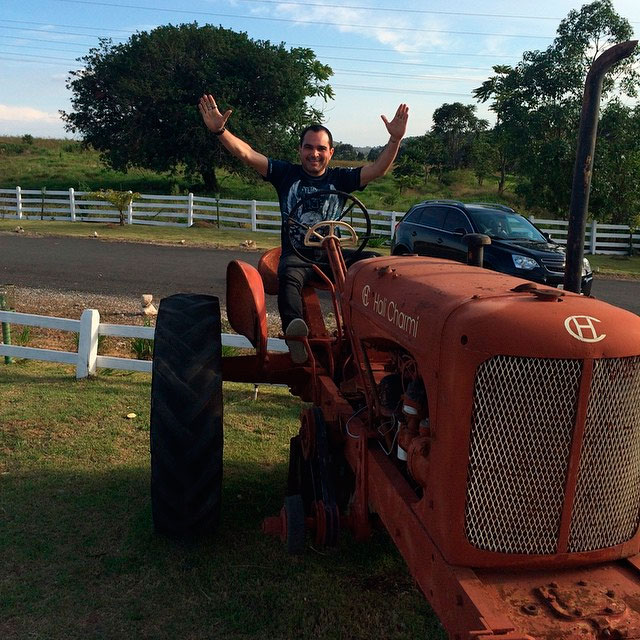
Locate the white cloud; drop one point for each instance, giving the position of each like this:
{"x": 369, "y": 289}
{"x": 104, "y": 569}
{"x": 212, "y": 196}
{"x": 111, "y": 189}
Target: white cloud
{"x": 380, "y": 26}
{"x": 26, "y": 114}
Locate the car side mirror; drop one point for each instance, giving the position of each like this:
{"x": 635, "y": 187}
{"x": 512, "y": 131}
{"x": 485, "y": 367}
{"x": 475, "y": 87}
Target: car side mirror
{"x": 547, "y": 236}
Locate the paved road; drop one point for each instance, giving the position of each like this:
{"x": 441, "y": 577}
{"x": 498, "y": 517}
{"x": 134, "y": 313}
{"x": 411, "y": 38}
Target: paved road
{"x": 87, "y": 264}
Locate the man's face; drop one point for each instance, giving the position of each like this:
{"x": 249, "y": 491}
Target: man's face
{"x": 315, "y": 152}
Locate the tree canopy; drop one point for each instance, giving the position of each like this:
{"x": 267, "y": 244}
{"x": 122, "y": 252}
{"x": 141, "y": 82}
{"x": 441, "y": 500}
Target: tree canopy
{"x": 136, "y": 102}
{"x": 456, "y": 125}
{"x": 537, "y": 103}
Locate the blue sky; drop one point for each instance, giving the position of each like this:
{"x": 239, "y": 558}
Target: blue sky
{"x": 424, "y": 53}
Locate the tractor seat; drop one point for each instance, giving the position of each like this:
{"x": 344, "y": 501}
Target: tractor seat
{"x": 246, "y": 308}
{"x": 268, "y": 270}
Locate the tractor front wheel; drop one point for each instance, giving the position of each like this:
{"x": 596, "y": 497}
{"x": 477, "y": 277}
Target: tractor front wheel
{"x": 186, "y": 416}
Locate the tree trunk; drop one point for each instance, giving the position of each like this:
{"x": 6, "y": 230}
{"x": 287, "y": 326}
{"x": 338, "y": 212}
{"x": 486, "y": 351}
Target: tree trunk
{"x": 210, "y": 180}
{"x": 503, "y": 177}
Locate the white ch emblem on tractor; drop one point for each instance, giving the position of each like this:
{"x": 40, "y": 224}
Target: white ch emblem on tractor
{"x": 582, "y": 328}
{"x": 366, "y": 290}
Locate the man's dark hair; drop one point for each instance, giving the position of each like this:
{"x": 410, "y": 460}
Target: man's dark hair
{"x": 316, "y": 128}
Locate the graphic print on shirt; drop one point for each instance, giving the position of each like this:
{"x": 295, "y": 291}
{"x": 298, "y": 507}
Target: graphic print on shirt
{"x": 325, "y": 207}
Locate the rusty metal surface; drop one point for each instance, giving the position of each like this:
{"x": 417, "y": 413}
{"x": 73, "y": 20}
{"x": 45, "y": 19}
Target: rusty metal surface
{"x": 600, "y": 602}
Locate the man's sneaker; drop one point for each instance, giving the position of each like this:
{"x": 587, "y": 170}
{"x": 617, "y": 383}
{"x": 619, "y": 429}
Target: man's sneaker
{"x": 297, "y": 328}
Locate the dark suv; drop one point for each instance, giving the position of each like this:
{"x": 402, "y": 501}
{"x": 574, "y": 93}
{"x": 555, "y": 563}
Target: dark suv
{"x": 437, "y": 227}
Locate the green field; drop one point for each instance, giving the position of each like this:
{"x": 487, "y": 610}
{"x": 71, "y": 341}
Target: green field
{"x": 80, "y": 558}
{"x": 61, "y": 164}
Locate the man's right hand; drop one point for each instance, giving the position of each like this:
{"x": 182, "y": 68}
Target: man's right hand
{"x": 211, "y": 115}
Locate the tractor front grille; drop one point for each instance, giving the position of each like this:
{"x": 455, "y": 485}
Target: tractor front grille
{"x": 524, "y": 413}
{"x": 606, "y": 506}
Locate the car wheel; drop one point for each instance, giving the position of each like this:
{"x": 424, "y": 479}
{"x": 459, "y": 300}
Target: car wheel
{"x": 401, "y": 250}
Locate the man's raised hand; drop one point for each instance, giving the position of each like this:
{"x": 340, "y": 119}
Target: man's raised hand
{"x": 398, "y": 125}
{"x": 211, "y": 115}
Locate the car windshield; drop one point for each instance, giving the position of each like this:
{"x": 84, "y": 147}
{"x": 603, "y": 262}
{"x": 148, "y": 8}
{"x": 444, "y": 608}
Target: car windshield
{"x": 506, "y": 226}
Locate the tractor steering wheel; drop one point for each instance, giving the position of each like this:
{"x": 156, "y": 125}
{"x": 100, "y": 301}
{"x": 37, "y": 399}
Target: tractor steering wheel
{"x": 326, "y": 220}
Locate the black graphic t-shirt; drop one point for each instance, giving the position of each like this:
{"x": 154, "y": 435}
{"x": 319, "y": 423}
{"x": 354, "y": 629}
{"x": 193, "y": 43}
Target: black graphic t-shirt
{"x": 292, "y": 184}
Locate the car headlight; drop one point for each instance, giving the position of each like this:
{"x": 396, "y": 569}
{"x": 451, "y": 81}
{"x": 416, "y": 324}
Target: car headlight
{"x": 586, "y": 267}
{"x": 523, "y": 262}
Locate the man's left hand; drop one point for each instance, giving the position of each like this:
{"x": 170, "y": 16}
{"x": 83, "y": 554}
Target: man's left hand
{"x": 398, "y": 125}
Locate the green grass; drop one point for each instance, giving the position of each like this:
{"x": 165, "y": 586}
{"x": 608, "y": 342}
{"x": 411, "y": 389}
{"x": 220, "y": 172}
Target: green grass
{"x": 80, "y": 559}
{"x": 616, "y": 265}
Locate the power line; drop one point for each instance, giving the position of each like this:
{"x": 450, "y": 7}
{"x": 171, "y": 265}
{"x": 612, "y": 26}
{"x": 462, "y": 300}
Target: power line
{"x": 387, "y": 62}
{"x": 308, "y": 22}
{"x": 409, "y": 64}
{"x": 407, "y": 75}
{"x": 21, "y": 61}
{"x": 423, "y": 51}
{"x": 75, "y": 44}
{"x": 29, "y": 55}
{"x": 22, "y": 46}
{"x": 290, "y": 44}
{"x": 399, "y": 63}
{"x": 393, "y": 10}
{"x": 64, "y": 33}
{"x": 64, "y": 26}
{"x": 402, "y": 91}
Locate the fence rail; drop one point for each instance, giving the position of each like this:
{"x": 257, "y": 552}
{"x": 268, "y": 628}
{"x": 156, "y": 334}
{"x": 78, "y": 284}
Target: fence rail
{"x": 88, "y": 328}
{"x": 256, "y": 215}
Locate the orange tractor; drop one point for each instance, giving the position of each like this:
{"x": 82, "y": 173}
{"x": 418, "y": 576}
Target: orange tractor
{"x": 492, "y": 424}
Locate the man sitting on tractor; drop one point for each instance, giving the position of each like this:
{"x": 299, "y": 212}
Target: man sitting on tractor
{"x": 295, "y": 181}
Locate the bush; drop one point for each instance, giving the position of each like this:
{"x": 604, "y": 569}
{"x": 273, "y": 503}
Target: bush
{"x": 12, "y": 148}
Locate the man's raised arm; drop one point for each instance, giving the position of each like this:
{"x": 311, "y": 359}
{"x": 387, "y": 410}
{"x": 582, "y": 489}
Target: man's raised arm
{"x": 396, "y": 129}
{"x": 216, "y": 123}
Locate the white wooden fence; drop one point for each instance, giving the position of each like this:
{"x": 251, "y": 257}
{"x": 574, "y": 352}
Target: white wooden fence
{"x": 256, "y": 215}
{"x": 180, "y": 211}
{"x": 89, "y": 327}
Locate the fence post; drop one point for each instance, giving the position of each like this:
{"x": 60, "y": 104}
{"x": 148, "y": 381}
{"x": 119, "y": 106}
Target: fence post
{"x": 394, "y": 218}
{"x": 88, "y": 343}
{"x": 254, "y": 216}
{"x": 190, "y": 210}
{"x": 532, "y": 219}
{"x": 130, "y": 209}
{"x": 6, "y": 327}
{"x": 72, "y": 204}
{"x": 593, "y": 237}
{"x": 19, "y": 202}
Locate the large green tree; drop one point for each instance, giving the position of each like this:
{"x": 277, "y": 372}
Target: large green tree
{"x": 456, "y": 125}
{"x": 421, "y": 155}
{"x": 615, "y": 192}
{"x": 537, "y": 102}
{"x": 135, "y": 102}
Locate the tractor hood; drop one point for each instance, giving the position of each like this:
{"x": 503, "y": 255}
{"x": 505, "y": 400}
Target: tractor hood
{"x": 425, "y": 304}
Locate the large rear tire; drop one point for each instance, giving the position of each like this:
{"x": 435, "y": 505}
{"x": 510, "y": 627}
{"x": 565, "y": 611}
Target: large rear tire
{"x": 186, "y": 416}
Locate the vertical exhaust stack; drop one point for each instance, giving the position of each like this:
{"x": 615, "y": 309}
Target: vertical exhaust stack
{"x": 583, "y": 167}
{"x": 476, "y": 242}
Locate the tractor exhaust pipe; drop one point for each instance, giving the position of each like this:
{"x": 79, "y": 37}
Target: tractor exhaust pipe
{"x": 476, "y": 242}
{"x": 583, "y": 166}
